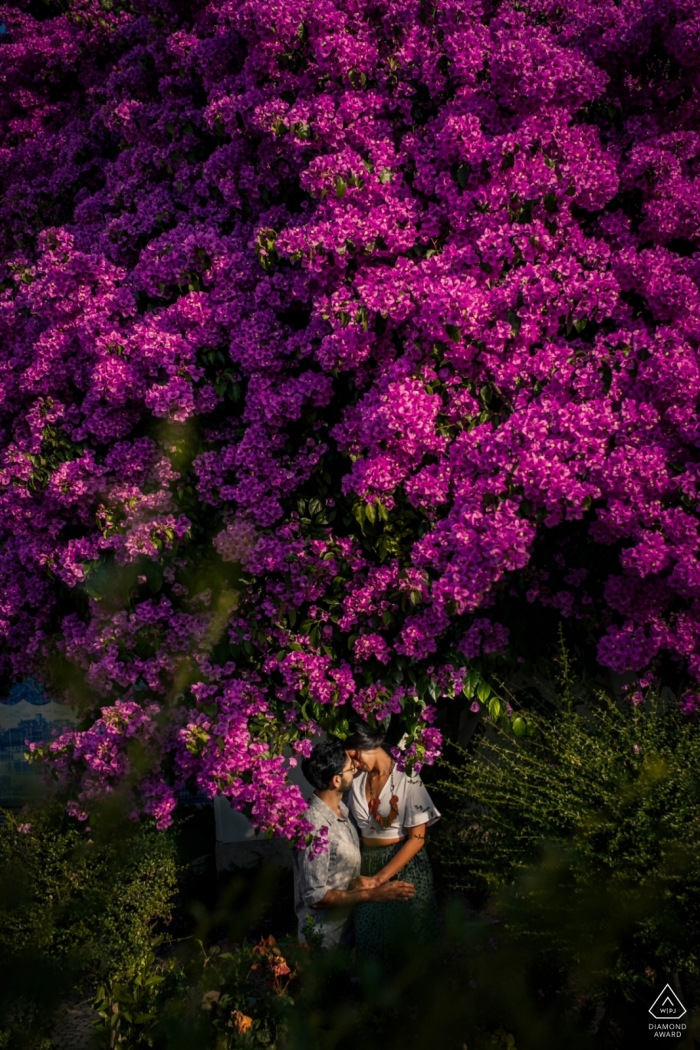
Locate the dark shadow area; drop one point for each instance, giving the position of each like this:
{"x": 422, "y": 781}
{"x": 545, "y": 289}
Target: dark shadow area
{"x": 178, "y": 956}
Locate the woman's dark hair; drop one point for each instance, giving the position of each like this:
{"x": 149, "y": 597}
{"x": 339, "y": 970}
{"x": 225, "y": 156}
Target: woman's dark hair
{"x": 363, "y": 737}
{"x": 327, "y": 760}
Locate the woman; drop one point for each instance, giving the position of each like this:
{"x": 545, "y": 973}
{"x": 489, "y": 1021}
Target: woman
{"x": 392, "y": 811}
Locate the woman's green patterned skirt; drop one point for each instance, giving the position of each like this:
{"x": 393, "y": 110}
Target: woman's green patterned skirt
{"x": 386, "y": 930}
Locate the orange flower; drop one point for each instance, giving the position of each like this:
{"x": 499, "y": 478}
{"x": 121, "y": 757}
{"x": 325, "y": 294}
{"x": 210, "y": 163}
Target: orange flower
{"x": 279, "y": 967}
{"x": 265, "y": 945}
{"x": 241, "y": 1022}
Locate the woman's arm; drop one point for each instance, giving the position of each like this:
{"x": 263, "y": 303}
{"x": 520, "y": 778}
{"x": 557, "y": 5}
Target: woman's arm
{"x": 413, "y": 845}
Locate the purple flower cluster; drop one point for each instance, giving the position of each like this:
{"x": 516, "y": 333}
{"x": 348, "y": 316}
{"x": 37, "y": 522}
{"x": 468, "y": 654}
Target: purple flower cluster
{"x": 317, "y": 318}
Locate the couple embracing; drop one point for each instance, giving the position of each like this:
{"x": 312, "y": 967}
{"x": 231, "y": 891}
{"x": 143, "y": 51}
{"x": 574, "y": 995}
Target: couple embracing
{"x": 373, "y": 887}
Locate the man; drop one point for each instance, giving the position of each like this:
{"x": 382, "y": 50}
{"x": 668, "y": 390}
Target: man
{"x": 322, "y": 898}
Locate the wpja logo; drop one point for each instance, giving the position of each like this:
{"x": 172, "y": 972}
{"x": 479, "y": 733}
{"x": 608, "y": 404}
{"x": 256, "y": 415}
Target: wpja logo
{"x": 667, "y": 1010}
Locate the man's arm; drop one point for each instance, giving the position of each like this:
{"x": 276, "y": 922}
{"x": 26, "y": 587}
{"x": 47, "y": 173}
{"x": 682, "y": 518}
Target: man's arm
{"x": 390, "y": 891}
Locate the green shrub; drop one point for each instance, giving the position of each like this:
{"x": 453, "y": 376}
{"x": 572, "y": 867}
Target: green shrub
{"x": 74, "y": 909}
{"x": 221, "y": 999}
{"x": 80, "y": 901}
{"x": 585, "y": 834}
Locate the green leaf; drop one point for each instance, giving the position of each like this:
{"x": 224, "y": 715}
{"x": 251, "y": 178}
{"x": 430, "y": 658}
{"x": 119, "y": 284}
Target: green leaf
{"x": 550, "y": 203}
{"x": 371, "y": 513}
{"x": 342, "y": 729}
{"x": 519, "y": 725}
{"x": 358, "y": 513}
{"x": 93, "y": 589}
{"x": 453, "y": 332}
{"x": 470, "y": 683}
{"x": 341, "y": 186}
{"x": 495, "y": 708}
{"x": 483, "y": 691}
{"x": 514, "y": 321}
{"x": 154, "y": 576}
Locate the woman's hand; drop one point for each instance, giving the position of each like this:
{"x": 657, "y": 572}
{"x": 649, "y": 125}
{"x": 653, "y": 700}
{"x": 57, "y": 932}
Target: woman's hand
{"x": 365, "y": 882}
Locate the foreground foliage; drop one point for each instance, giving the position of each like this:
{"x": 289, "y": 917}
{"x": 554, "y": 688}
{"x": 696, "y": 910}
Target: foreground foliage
{"x": 585, "y": 836}
{"x": 74, "y": 911}
{"x": 200, "y": 970}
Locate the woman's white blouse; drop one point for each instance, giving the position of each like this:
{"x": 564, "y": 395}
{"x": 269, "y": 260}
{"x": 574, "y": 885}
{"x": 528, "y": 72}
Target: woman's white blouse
{"x": 414, "y": 805}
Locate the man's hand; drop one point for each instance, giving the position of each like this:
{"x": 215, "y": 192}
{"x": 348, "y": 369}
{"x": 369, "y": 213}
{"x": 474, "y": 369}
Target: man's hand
{"x": 365, "y": 882}
{"x": 371, "y": 884}
{"x": 388, "y": 891}
{"x": 392, "y": 891}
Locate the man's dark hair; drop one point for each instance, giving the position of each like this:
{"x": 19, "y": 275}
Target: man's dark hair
{"x": 327, "y": 760}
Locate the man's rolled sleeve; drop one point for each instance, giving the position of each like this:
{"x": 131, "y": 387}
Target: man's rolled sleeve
{"x": 314, "y": 874}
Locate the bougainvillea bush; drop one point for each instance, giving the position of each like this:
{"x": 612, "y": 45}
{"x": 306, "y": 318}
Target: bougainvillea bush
{"x": 332, "y": 332}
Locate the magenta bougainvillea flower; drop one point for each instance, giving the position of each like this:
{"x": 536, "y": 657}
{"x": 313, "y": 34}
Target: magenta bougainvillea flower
{"x": 328, "y": 327}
